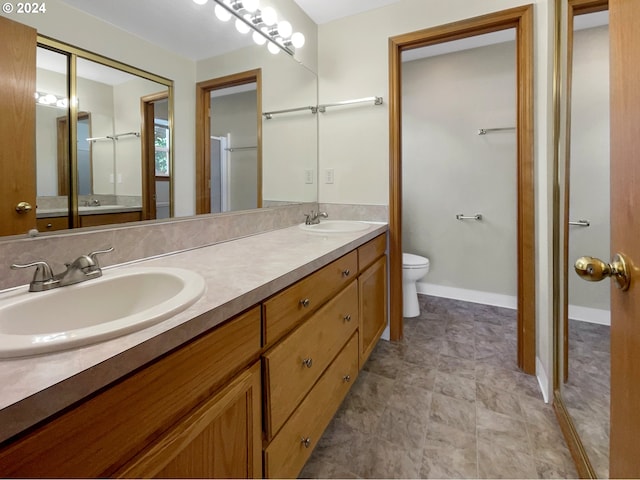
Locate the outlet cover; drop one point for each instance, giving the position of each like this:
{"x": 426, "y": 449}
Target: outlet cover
{"x": 329, "y": 175}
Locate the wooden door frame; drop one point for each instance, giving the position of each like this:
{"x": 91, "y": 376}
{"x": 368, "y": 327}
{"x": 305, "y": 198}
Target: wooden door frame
{"x": 203, "y": 129}
{"x": 520, "y": 18}
{"x": 63, "y": 152}
{"x": 147, "y": 142}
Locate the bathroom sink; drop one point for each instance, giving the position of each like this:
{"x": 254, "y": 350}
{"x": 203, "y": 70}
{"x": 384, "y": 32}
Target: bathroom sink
{"x": 119, "y": 302}
{"x": 335, "y": 226}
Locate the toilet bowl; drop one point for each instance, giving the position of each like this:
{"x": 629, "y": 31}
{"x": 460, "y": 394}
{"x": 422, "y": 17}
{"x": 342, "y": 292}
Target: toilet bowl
{"x": 414, "y": 267}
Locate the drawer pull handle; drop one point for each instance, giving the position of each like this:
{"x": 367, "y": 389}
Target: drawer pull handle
{"x": 346, "y": 378}
{"x": 346, "y": 273}
{"x": 305, "y": 302}
{"x": 347, "y": 317}
{"x": 307, "y": 362}
{"x": 306, "y": 442}
{"x": 49, "y": 225}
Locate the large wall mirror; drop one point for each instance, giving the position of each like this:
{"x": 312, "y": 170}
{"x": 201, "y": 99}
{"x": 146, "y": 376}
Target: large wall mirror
{"x": 583, "y": 356}
{"x": 126, "y": 152}
{"x": 120, "y": 126}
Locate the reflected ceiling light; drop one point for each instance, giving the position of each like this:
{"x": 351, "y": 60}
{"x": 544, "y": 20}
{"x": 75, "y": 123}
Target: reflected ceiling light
{"x": 285, "y": 29}
{"x": 51, "y": 100}
{"x": 263, "y": 22}
{"x": 200, "y": 2}
{"x": 259, "y": 39}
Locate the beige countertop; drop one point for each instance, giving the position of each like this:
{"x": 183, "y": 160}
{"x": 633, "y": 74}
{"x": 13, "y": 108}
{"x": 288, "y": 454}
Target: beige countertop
{"x": 238, "y": 273}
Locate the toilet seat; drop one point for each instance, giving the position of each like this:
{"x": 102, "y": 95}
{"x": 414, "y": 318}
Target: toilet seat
{"x": 412, "y": 261}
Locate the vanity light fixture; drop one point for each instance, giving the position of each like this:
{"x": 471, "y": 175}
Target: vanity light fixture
{"x": 264, "y": 22}
{"x": 51, "y": 100}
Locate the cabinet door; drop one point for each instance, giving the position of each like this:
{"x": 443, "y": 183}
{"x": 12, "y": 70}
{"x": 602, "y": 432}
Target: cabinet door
{"x": 17, "y": 126}
{"x": 372, "y": 291}
{"x": 222, "y": 438}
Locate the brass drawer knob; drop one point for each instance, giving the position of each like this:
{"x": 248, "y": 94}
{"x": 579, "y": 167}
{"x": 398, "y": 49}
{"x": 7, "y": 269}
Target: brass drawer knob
{"x": 347, "y": 317}
{"x": 306, "y": 442}
{"x": 307, "y": 362}
{"x": 346, "y": 378}
{"x": 305, "y": 302}
{"x": 346, "y": 273}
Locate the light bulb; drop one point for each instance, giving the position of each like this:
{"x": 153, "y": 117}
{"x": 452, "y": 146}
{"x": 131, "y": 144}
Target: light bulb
{"x": 50, "y": 99}
{"x": 273, "y": 48}
{"x": 222, "y": 14}
{"x": 269, "y": 16}
{"x": 284, "y": 29}
{"x": 200, "y": 2}
{"x": 297, "y": 40}
{"x": 242, "y": 27}
{"x": 250, "y": 5}
{"x": 259, "y": 39}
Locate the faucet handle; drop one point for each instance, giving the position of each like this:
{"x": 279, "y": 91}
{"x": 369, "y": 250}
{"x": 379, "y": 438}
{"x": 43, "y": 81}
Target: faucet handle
{"x": 42, "y": 274}
{"x": 94, "y": 255}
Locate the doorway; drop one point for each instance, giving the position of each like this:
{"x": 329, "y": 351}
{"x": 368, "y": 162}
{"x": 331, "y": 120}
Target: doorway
{"x": 240, "y": 96}
{"x": 520, "y": 19}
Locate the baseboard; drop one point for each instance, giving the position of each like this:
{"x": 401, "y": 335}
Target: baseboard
{"x": 543, "y": 380}
{"x": 591, "y": 315}
{"x": 474, "y": 296}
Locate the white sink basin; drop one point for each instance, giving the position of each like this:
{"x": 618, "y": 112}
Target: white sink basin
{"x": 119, "y": 302}
{"x": 335, "y": 226}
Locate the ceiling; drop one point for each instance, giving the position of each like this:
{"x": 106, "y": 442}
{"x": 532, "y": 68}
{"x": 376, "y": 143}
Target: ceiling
{"x": 191, "y": 30}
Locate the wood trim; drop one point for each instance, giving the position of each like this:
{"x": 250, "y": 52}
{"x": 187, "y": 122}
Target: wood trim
{"x": 520, "y": 18}
{"x": 147, "y": 142}
{"x": 579, "y": 455}
{"x": 203, "y": 127}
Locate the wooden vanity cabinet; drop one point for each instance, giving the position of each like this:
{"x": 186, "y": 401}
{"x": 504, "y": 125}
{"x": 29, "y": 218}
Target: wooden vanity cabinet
{"x": 372, "y": 294}
{"x": 309, "y": 371}
{"x": 200, "y": 397}
{"x": 219, "y": 439}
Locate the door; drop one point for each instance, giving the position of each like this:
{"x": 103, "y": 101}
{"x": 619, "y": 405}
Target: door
{"x": 625, "y": 236}
{"x": 17, "y": 127}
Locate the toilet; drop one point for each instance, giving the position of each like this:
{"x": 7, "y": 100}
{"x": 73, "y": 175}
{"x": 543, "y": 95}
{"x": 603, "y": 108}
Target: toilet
{"x": 414, "y": 267}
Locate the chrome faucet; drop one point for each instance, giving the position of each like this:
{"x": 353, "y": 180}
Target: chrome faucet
{"x": 83, "y": 268}
{"x": 313, "y": 218}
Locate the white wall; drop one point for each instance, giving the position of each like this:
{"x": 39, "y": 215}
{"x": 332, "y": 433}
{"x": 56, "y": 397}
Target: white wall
{"x": 353, "y": 62}
{"x": 589, "y": 172}
{"x": 448, "y": 169}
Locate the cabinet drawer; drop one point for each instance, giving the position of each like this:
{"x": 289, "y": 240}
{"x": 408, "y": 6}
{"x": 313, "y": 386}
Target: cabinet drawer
{"x": 287, "y": 453}
{"x": 100, "y": 435}
{"x": 317, "y": 341}
{"x": 285, "y": 310}
{"x": 52, "y": 223}
{"x": 371, "y": 250}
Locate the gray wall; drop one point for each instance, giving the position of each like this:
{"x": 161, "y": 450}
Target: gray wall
{"x": 448, "y": 169}
{"x": 589, "y": 173}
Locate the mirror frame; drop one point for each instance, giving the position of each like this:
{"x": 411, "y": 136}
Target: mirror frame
{"x": 73, "y": 53}
{"x": 565, "y": 11}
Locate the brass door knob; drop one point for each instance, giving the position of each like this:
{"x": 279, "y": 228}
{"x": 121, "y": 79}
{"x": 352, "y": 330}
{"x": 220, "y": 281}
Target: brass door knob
{"x": 593, "y": 270}
{"x": 23, "y": 207}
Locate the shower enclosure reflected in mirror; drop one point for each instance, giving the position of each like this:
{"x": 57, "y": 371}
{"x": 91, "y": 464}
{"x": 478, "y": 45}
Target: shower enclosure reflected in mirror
{"x": 584, "y": 385}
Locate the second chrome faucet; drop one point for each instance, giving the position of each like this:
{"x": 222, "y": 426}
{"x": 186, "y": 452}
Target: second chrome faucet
{"x": 83, "y": 268}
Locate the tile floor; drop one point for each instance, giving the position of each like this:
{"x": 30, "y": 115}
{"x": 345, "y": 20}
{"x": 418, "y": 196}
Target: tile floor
{"x": 446, "y": 402}
{"x": 587, "y": 394}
